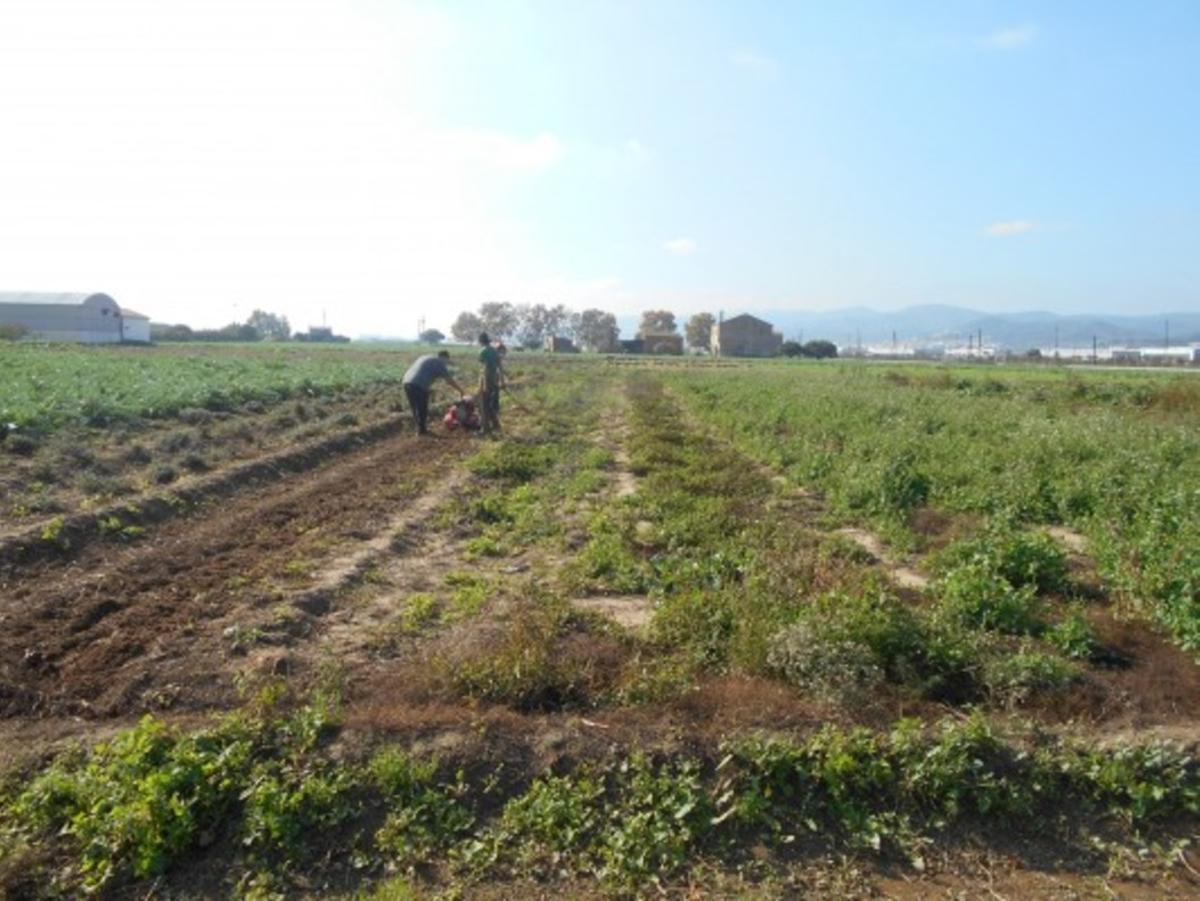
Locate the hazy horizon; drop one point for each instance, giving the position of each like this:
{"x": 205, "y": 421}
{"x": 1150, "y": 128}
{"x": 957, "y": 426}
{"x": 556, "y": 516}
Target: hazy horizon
{"x": 386, "y": 162}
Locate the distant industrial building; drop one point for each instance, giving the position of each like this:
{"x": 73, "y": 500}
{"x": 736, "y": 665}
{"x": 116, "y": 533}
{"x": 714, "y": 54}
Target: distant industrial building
{"x": 77, "y": 318}
{"x": 744, "y": 336}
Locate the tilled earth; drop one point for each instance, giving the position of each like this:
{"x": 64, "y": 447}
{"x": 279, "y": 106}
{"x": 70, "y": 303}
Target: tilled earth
{"x": 124, "y": 629}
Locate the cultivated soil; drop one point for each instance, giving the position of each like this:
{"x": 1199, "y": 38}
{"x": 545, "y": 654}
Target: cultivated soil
{"x": 312, "y": 570}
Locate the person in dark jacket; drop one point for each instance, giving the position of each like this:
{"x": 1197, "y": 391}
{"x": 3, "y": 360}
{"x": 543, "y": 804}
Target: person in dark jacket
{"x": 419, "y": 380}
{"x": 491, "y": 378}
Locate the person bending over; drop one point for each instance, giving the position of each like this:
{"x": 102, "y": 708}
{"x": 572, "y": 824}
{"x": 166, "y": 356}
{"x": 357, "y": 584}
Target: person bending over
{"x": 419, "y": 380}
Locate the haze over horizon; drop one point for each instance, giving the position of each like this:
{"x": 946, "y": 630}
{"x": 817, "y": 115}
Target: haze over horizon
{"x": 385, "y": 162}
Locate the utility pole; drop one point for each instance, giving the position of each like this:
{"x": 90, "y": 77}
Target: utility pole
{"x": 1056, "y": 340}
{"x": 1166, "y": 334}
{"x": 1093, "y": 350}
{"x": 893, "y": 341}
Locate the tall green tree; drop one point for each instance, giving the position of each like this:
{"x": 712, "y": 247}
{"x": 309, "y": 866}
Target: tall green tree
{"x": 268, "y": 325}
{"x": 466, "y": 327}
{"x": 699, "y": 330}
{"x": 595, "y": 330}
{"x": 499, "y": 319}
{"x": 657, "y": 322}
{"x": 537, "y": 322}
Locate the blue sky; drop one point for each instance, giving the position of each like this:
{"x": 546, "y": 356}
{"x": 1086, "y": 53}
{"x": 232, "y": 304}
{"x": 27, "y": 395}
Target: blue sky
{"x": 383, "y": 161}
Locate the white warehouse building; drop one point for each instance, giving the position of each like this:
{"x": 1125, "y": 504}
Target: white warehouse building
{"x": 83, "y": 318}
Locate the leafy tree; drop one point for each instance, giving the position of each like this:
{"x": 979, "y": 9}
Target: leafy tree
{"x": 595, "y": 330}
{"x": 466, "y": 327}
{"x": 537, "y": 322}
{"x": 268, "y": 325}
{"x": 820, "y": 350}
{"x": 657, "y": 322}
{"x": 791, "y": 349}
{"x": 499, "y": 319}
{"x": 699, "y": 330}
{"x": 431, "y": 336}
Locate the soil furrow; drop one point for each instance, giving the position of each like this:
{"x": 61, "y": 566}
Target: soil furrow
{"x": 143, "y": 627}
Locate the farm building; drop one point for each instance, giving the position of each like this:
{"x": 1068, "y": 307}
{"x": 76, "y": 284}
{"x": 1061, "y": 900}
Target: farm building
{"x": 135, "y": 327}
{"x": 83, "y": 318}
{"x": 744, "y": 336}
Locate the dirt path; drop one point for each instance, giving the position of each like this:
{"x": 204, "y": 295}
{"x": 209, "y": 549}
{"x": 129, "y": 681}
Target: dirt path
{"x": 901, "y": 575}
{"x": 146, "y": 627}
{"x": 631, "y": 611}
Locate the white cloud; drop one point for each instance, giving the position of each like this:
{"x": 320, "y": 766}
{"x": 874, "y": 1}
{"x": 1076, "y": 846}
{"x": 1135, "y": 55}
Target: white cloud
{"x": 754, "y": 61}
{"x": 497, "y": 150}
{"x": 1012, "y": 38}
{"x": 681, "y": 247}
{"x": 1010, "y": 227}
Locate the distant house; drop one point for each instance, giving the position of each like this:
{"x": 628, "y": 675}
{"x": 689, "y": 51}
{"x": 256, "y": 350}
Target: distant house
{"x": 744, "y": 336}
{"x": 661, "y": 342}
{"x": 82, "y": 318}
{"x": 632, "y": 346}
{"x": 557, "y": 345}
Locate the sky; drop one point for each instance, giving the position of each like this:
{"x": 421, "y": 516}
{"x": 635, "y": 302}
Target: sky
{"x": 376, "y": 163}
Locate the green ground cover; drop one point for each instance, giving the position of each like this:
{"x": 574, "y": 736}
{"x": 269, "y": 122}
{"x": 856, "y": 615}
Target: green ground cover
{"x": 1115, "y": 455}
{"x": 268, "y": 791}
{"x": 43, "y": 388}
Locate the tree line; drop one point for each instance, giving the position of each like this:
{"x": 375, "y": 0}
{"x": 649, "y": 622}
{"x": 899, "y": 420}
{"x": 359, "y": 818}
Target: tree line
{"x": 259, "y": 326}
{"x": 529, "y": 325}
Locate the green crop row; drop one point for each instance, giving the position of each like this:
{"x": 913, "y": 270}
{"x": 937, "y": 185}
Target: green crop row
{"x": 43, "y": 388}
{"x": 1117, "y": 458}
{"x": 272, "y": 795}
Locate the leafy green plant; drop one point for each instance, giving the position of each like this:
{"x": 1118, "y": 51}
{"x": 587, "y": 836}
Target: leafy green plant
{"x": 975, "y": 595}
{"x": 285, "y": 804}
{"x": 1021, "y": 557}
{"x": 424, "y": 816}
{"x": 1015, "y": 679}
{"x": 1074, "y": 637}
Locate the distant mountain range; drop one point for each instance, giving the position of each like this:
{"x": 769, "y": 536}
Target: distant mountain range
{"x": 950, "y": 325}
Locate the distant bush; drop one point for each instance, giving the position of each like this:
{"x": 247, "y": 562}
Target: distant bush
{"x": 12, "y": 332}
{"x": 819, "y": 350}
{"x": 1014, "y": 679}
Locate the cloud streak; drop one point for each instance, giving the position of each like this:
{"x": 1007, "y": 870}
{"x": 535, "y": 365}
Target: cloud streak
{"x": 680, "y": 247}
{"x": 756, "y": 62}
{"x": 1011, "y": 227}
{"x": 1011, "y": 38}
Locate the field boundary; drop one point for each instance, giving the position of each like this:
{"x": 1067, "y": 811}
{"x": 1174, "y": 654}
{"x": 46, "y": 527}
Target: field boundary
{"x": 64, "y": 537}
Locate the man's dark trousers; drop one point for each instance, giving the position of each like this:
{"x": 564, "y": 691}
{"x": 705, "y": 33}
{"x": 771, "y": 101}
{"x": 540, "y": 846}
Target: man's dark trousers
{"x": 418, "y": 401}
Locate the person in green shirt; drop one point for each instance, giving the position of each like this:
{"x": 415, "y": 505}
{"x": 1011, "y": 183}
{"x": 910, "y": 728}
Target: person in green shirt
{"x": 490, "y": 381}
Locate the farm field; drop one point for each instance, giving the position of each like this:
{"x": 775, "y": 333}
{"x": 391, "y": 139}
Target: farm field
{"x": 688, "y": 628}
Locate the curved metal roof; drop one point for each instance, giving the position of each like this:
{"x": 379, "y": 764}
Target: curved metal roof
{"x": 59, "y": 298}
